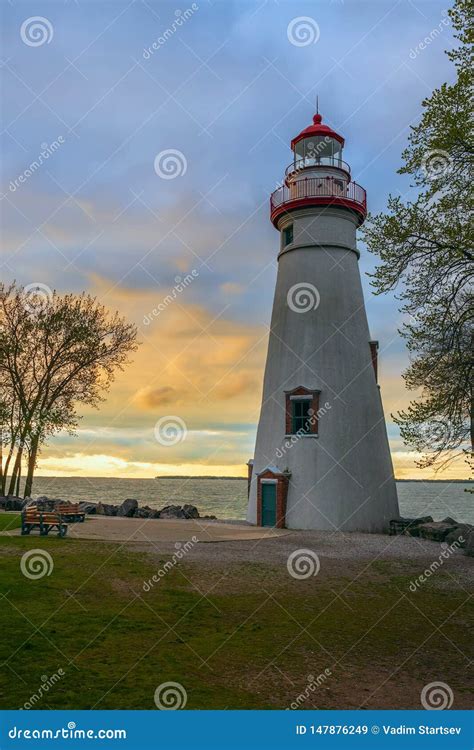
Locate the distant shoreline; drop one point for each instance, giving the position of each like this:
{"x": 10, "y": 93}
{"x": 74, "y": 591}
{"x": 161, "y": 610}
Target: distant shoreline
{"x": 191, "y": 476}
{"x": 448, "y": 481}
{"x": 226, "y": 478}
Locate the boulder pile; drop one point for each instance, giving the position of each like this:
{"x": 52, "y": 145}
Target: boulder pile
{"x": 448, "y": 531}
{"x": 128, "y": 509}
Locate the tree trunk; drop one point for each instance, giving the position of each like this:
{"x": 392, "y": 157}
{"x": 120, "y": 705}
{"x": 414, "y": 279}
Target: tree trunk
{"x": 2, "y": 476}
{"x": 31, "y": 466}
{"x": 15, "y": 471}
{"x": 17, "y": 492}
{"x": 7, "y": 466}
{"x": 472, "y": 427}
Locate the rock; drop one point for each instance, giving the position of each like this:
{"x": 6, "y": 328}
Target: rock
{"x": 146, "y": 512}
{"x": 127, "y": 508}
{"x": 178, "y": 511}
{"x": 11, "y": 502}
{"x": 172, "y": 511}
{"x": 61, "y": 502}
{"x": 469, "y": 548}
{"x": 143, "y": 513}
{"x": 190, "y": 511}
{"x": 461, "y": 531}
{"x": 413, "y": 528}
{"x": 408, "y": 526}
{"x": 450, "y": 520}
{"x": 102, "y": 509}
{"x": 89, "y": 508}
{"x": 43, "y": 502}
{"x": 437, "y": 531}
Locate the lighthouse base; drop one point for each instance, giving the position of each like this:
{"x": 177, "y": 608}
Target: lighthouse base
{"x": 329, "y": 505}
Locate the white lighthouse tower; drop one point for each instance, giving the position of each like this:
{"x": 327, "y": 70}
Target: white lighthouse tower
{"x": 322, "y": 459}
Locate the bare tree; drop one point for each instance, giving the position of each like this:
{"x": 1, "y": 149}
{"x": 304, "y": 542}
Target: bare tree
{"x": 56, "y": 352}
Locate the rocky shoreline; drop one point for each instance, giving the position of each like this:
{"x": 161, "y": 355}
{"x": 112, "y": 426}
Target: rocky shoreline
{"x": 127, "y": 509}
{"x": 130, "y": 509}
{"x": 448, "y": 531}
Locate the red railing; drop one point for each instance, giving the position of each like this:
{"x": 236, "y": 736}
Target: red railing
{"x": 318, "y": 191}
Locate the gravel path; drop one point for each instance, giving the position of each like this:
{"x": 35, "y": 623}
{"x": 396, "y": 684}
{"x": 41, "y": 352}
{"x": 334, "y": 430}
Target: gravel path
{"x": 223, "y": 543}
{"x": 233, "y": 542}
{"x": 336, "y": 546}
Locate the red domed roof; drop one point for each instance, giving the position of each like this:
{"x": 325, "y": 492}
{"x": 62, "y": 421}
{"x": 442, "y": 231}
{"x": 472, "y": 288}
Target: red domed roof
{"x": 317, "y": 129}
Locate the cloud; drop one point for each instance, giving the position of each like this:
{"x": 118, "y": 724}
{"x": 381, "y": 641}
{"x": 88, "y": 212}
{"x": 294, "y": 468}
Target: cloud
{"x": 104, "y": 465}
{"x": 147, "y": 398}
{"x": 230, "y": 287}
{"x": 236, "y": 385}
{"x": 232, "y": 386}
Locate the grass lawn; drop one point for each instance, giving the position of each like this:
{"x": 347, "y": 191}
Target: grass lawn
{"x": 9, "y": 521}
{"x": 252, "y": 641}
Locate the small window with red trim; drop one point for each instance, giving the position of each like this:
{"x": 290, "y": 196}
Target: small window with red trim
{"x": 302, "y": 406}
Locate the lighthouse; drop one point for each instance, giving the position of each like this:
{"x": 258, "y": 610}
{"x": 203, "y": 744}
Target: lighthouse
{"x": 322, "y": 459}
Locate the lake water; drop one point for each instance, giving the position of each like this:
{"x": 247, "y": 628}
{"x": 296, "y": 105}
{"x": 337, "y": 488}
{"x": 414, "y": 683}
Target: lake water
{"x": 226, "y": 498}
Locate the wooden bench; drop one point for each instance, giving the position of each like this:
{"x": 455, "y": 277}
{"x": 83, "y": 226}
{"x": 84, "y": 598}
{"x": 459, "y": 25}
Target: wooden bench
{"x": 70, "y": 513}
{"x": 44, "y": 521}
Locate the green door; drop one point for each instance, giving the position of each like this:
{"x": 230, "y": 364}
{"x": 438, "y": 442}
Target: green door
{"x": 268, "y": 504}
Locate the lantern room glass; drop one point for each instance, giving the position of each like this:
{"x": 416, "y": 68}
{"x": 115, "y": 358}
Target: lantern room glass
{"x": 316, "y": 151}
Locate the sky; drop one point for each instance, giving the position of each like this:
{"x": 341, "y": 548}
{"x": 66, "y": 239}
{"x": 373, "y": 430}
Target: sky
{"x": 165, "y": 128}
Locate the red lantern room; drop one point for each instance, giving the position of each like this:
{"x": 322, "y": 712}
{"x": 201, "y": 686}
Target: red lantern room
{"x": 318, "y": 176}
{"x": 318, "y": 142}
